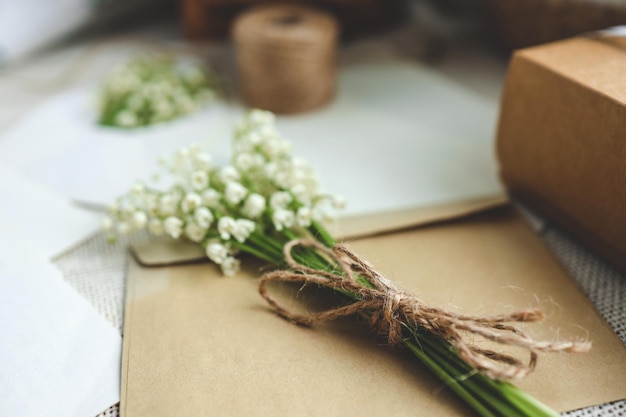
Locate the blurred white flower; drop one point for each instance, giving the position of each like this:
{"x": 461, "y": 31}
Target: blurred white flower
{"x": 283, "y": 219}
{"x": 146, "y": 91}
{"x": 173, "y": 226}
{"x": 242, "y": 229}
{"x": 203, "y": 217}
{"x": 202, "y": 160}
{"x": 191, "y": 202}
{"x": 246, "y": 161}
{"x": 253, "y": 138}
{"x": 168, "y": 204}
{"x": 217, "y": 252}
{"x": 280, "y": 200}
{"x": 126, "y": 118}
{"x": 199, "y": 180}
{"x": 304, "y": 216}
{"x": 235, "y": 192}
{"x": 261, "y": 117}
{"x": 225, "y": 226}
{"x": 194, "y": 232}
{"x": 140, "y": 219}
{"x": 211, "y": 198}
{"x": 230, "y": 266}
{"x": 254, "y": 206}
{"x": 229, "y": 173}
{"x": 302, "y": 193}
{"x": 138, "y": 189}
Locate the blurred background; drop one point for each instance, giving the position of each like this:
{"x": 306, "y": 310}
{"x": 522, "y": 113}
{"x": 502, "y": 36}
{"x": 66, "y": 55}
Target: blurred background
{"x": 435, "y": 32}
{"x": 31, "y": 25}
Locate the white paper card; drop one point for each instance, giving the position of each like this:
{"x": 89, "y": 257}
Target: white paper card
{"x": 58, "y": 357}
{"x": 37, "y": 215}
{"x": 397, "y": 135}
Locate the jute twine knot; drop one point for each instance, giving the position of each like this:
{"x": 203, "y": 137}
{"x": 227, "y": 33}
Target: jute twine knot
{"x": 391, "y": 310}
{"x": 286, "y": 56}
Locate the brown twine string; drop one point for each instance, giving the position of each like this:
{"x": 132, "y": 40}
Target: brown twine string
{"x": 286, "y": 57}
{"x": 389, "y": 309}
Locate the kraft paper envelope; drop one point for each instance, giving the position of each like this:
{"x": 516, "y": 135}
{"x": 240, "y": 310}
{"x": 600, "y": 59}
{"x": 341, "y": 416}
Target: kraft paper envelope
{"x": 199, "y": 344}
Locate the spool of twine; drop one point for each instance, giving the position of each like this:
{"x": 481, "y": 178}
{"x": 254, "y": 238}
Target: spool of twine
{"x": 286, "y": 57}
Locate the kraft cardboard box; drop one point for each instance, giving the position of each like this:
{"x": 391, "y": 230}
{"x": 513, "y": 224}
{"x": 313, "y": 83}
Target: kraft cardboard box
{"x": 562, "y": 138}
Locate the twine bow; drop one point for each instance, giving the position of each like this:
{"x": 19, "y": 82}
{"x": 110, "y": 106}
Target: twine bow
{"x": 390, "y": 310}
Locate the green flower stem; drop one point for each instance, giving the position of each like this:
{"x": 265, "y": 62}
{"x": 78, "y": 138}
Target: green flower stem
{"x": 499, "y": 392}
{"x": 272, "y": 250}
{"x": 462, "y": 379}
{"x": 321, "y": 234}
{"x": 254, "y": 251}
{"x": 450, "y": 380}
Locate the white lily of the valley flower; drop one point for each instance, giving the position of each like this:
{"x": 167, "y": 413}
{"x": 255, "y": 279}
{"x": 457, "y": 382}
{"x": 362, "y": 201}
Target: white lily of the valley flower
{"x": 304, "y": 216}
{"x": 126, "y": 119}
{"x": 216, "y": 252}
{"x": 261, "y": 117}
{"x": 168, "y": 204}
{"x": 194, "y": 232}
{"x": 191, "y": 202}
{"x": 242, "y": 229}
{"x": 283, "y": 219}
{"x": 302, "y": 193}
{"x": 254, "y": 206}
{"x": 140, "y": 219}
{"x": 138, "y": 188}
{"x": 151, "y": 204}
{"x": 199, "y": 180}
{"x": 253, "y": 138}
{"x": 271, "y": 169}
{"x": 173, "y": 226}
{"x": 248, "y": 160}
{"x": 203, "y": 217}
{"x": 127, "y": 208}
{"x": 231, "y": 266}
{"x": 225, "y": 226}
{"x": 235, "y": 192}
{"x": 202, "y": 160}
{"x": 211, "y": 198}
{"x": 280, "y": 200}
{"x": 229, "y": 173}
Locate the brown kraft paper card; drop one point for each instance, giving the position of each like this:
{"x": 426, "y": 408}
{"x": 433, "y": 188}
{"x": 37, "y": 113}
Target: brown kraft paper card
{"x": 197, "y": 343}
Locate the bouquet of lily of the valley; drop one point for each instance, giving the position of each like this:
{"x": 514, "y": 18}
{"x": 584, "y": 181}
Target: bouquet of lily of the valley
{"x": 268, "y": 204}
{"x": 146, "y": 91}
